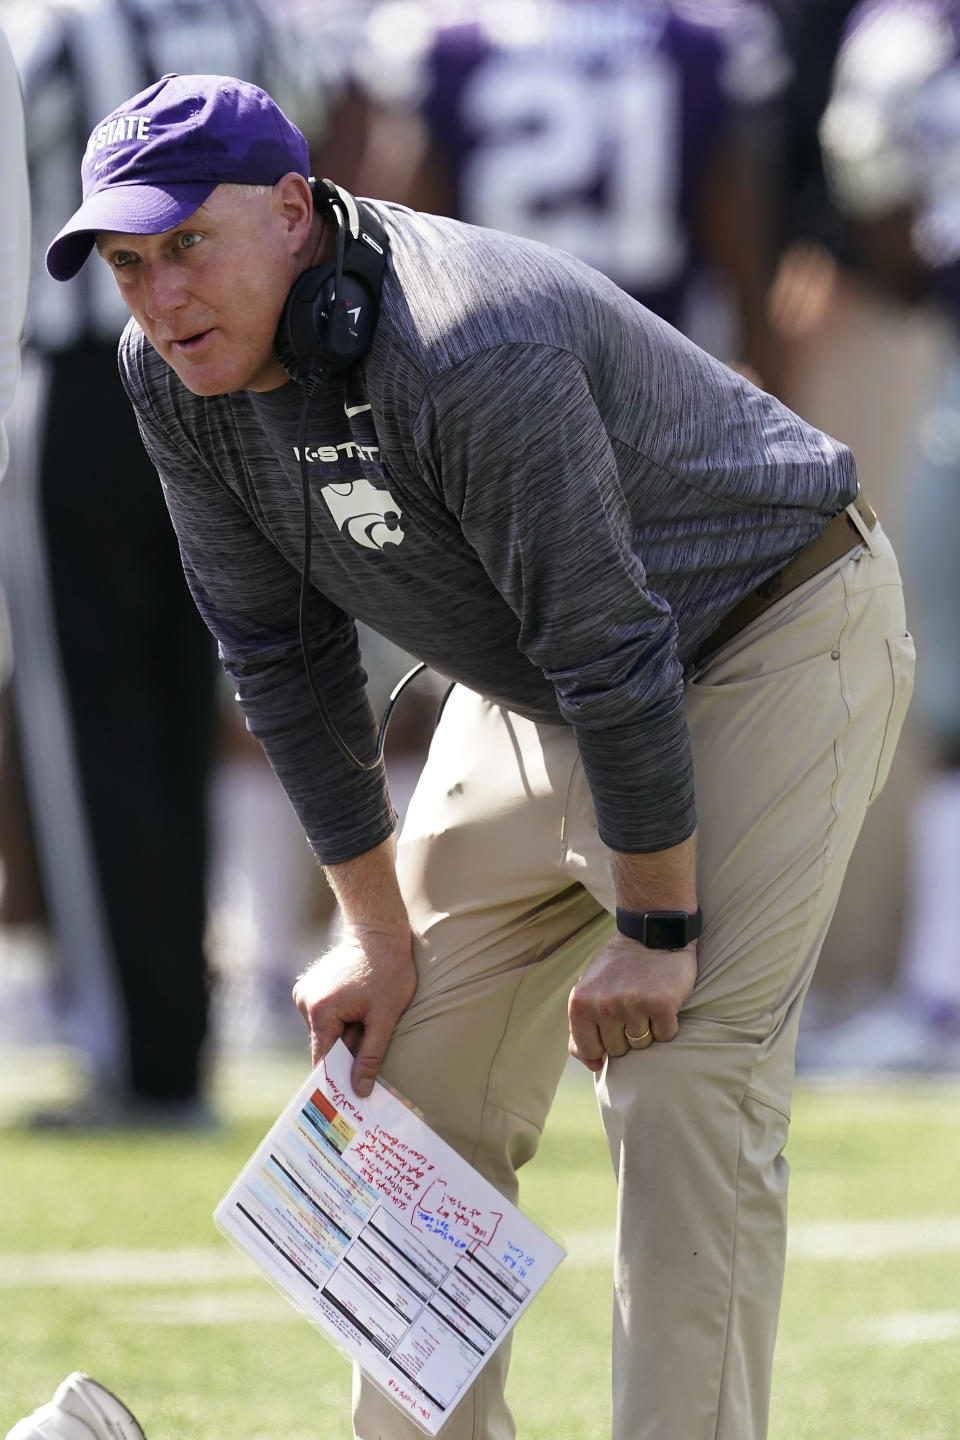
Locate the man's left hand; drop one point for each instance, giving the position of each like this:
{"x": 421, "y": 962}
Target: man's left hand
{"x": 628, "y": 990}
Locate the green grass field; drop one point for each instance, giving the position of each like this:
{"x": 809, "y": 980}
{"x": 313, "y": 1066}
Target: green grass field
{"x": 109, "y": 1262}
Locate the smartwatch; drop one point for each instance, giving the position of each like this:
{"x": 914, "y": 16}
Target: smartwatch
{"x": 661, "y": 929}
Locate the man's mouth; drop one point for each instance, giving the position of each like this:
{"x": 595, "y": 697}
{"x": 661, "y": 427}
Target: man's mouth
{"x": 186, "y": 344}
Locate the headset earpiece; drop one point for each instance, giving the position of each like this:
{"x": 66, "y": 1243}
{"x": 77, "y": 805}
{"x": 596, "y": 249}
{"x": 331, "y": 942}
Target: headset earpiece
{"x": 331, "y": 312}
{"x": 297, "y": 338}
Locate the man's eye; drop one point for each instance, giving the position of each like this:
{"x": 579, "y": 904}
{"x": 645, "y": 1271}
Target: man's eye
{"x": 121, "y": 258}
{"x": 188, "y": 238}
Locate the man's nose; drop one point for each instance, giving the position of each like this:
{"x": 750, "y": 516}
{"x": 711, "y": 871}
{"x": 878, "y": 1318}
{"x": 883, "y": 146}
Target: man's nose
{"x": 163, "y": 291}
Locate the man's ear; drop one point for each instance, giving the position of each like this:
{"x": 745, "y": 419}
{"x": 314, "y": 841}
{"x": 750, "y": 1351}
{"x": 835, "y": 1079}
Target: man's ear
{"x": 294, "y": 202}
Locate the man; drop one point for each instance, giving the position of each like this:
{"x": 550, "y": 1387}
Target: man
{"x": 639, "y": 569}
{"x": 643, "y": 138}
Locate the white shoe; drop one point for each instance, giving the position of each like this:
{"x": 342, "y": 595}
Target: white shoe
{"x": 893, "y": 1035}
{"x": 81, "y": 1409}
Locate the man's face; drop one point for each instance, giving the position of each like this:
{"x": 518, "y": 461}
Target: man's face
{"x": 208, "y": 294}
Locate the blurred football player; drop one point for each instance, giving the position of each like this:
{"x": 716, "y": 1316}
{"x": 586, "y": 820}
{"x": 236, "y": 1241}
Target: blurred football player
{"x": 891, "y": 144}
{"x": 642, "y": 137}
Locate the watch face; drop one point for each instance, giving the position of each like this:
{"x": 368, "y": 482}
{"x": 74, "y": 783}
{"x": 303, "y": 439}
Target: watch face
{"x": 667, "y": 931}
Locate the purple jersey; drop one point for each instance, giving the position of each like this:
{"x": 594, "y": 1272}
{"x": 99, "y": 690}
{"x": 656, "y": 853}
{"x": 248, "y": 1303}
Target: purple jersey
{"x": 891, "y": 132}
{"x": 585, "y": 124}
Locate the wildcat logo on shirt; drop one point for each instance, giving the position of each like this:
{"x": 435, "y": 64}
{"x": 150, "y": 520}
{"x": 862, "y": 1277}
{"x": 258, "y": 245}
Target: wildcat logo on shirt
{"x": 360, "y": 508}
{"x": 369, "y": 516}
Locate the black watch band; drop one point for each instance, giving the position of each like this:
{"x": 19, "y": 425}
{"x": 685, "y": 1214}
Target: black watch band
{"x": 660, "y": 929}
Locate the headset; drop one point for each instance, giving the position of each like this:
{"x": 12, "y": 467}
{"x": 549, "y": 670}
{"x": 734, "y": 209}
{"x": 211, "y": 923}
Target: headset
{"x": 329, "y": 317}
{"x": 327, "y": 326}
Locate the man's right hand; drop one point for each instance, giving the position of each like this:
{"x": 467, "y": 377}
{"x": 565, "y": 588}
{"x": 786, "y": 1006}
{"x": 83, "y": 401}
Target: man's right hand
{"x": 357, "y": 992}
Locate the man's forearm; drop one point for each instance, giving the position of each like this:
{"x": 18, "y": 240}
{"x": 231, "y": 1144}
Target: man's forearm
{"x": 368, "y": 891}
{"x": 662, "y": 880}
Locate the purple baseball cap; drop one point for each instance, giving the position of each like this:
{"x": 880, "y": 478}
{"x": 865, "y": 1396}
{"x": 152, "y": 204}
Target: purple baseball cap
{"x": 159, "y": 156}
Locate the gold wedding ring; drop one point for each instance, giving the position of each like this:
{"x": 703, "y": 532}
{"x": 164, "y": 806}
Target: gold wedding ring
{"x": 637, "y": 1042}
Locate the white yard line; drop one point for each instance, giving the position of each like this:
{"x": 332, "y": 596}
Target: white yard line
{"x": 824, "y": 1240}
{"x": 874, "y": 1239}
{"x": 262, "y": 1306}
{"x": 208, "y": 1266}
{"x": 819, "y": 1240}
{"x": 908, "y": 1327}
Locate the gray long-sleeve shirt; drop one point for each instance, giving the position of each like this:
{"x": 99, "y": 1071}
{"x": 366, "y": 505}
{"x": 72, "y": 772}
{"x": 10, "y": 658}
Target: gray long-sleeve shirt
{"x": 530, "y": 482}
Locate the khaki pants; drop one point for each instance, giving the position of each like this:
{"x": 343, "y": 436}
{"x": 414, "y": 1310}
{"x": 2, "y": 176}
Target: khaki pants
{"x": 793, "y": 724}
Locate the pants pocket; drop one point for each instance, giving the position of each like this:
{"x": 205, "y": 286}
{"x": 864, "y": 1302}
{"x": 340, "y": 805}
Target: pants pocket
{"x": 902, "y": 657}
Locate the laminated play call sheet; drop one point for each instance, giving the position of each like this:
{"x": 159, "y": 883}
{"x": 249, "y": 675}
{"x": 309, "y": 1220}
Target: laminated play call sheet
{"x": 388, "y": 1242}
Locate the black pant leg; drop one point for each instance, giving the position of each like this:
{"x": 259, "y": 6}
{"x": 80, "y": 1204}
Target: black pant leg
{"x": 139, "y": 667}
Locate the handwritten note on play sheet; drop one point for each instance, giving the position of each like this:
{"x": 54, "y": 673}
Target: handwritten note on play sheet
{"x": 388, "y": 1242}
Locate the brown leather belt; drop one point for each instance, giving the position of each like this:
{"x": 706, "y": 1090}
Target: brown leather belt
{"x": 838, "y": 538}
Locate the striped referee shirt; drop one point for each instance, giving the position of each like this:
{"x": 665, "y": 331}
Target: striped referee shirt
{"x": 80, "y": 59}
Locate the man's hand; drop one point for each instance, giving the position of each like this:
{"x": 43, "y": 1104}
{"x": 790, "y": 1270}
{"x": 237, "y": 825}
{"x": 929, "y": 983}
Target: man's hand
{"x": 359, "y": 989}
{"x": 357, "y": 992}
{"x": 628, "y": 990}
